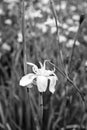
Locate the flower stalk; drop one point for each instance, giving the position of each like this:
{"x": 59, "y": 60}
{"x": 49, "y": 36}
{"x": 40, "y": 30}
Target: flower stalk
{"x": 57, "y": 32}
{"x": 23, "y": 34}
{"x": 41, "y": 108}
{"x": 82, "y": 17}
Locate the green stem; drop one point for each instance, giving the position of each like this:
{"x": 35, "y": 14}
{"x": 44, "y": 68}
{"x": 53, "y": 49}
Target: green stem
{"x": 57, "y": 32}
{"x": 32, "y": 106}
{"x": 82, "y": 17}
{"x": 41, "y": 108}
{"x": 72, "y": 51}
{"x": 23, "y": 34}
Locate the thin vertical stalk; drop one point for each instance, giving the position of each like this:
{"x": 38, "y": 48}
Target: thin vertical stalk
{"x": 24, "y": 41}
{"x": 25, "y": 51}
{"x": 65, "y": 100}
{"x": 81, "y": 21}
{"x": 32, "y": 104}
{"x": 57, "y": 32}
{"x": 41, "y": 108}
{"x": 72, "y": 52}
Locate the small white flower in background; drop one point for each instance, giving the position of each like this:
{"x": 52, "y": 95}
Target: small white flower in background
{"x": 42, "y": 76}
{"x": 6, "y": 47}
{"x": 63, "y": 5}
{"x": 8, "y": 21}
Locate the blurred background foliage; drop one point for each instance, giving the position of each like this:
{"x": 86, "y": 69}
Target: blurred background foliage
{"x": 65, "y": 108}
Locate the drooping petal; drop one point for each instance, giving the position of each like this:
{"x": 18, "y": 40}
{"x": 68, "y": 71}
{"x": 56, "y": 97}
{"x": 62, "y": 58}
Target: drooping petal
{"x": 42, "y": 82}
{"x": 27, "y": 79}
{"x": 52, "y": 84}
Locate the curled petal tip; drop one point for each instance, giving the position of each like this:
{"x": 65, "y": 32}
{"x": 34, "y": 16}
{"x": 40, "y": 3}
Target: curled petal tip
{"x": 31, "y": 64}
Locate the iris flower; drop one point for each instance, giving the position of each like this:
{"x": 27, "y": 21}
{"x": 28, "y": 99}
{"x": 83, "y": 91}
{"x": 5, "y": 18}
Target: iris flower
{"x": 41, "y": 76}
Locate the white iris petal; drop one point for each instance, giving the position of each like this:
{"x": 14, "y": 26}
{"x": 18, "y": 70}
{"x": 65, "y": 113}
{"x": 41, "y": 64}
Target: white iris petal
{"x": 27, "y": 79}
{"x": 41, "y": 75}
{"x": 52, "y": 83}
{"x": 42, "y": 83}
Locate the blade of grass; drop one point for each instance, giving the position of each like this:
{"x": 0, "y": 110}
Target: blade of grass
{"x": 35, "y": 115}
{"x": 72, "y": 52}
{"x": 25, "y": 54}
{"x": 57, "y": 32}
{"x": 2, "y": 114}
{"x": 23, "y": 34}
{"x": 68, "y": 79}
{"x": 82, "y": 18}
{"x": 41, "y": 108}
